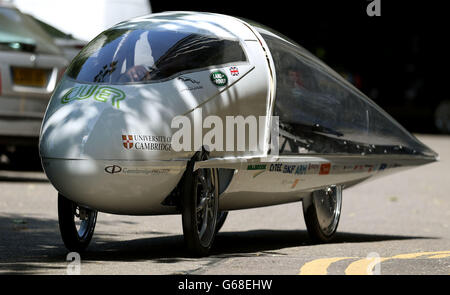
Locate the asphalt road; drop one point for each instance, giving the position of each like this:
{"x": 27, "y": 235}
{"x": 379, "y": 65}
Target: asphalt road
{"x": 402, "y": 222}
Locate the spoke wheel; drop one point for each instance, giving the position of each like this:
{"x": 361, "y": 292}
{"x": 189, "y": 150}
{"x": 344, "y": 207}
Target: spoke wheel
{"x": 200, "y": 208}
{"x": 322, "y": 211}
{"x": 76, "y": 224}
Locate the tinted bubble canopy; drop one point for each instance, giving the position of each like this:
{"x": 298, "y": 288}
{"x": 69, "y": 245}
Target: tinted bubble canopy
{"x": 152, "y": 51}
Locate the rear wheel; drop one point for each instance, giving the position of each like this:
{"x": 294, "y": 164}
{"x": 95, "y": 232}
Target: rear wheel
{"x": 200, "y": 207}
{"x": 322, "y": 211}
{"x": 76, "y": 224}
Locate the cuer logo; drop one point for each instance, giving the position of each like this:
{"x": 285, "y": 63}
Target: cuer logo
{"x": 127, "y": 141}
{"x": 219, "y": 78}
{"x": 98, "y": 93}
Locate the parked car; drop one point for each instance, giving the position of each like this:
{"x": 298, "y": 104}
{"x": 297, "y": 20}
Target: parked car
{"x": 66, "y": 42}
{"x": 30, "y": 66}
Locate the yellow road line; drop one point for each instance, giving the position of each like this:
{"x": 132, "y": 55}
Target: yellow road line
{"x": 362, "y": 266}
{"x": 365, "y": 266}
{"x": 439, "y": 256}
{"x": 319, "y": 266}
{"x": 418, "y": 254}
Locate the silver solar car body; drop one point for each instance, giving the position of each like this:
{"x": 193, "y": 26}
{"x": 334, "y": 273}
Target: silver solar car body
{"x": 106, "y": 140}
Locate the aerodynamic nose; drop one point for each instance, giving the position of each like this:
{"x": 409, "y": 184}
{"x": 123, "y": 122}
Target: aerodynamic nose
{"x": 98, "y": 141}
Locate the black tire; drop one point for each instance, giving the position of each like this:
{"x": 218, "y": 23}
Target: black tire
{"x": 75, "y": 239}
{"x": 221, "y": 220}
{"x": 199, "y": 190}
{"x": 322, "y": 211}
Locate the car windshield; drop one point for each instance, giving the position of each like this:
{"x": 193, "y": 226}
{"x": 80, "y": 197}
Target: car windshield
{"x": 130, "y": 54}
{"x": 19, "y": 32}
{"x": 52, "y": 31}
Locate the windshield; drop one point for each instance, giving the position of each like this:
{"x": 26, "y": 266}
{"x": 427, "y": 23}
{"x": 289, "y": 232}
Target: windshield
{"x": 19, "y": 32}
{"x": 127, "y": 54}
{"x": 52, "y": 31}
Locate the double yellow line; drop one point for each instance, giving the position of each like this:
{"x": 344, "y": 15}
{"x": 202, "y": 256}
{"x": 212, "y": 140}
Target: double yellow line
{"x": 362, "y": 266}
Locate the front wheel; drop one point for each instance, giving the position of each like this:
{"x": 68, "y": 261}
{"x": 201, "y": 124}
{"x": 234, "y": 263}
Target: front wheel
{"x": 76, "y": 224}
{"x": 322, "y": 210}
{"x": 200, "y": 208}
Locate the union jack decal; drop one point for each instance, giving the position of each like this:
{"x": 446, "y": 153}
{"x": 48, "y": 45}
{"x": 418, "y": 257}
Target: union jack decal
{"x": 234, "y": 71}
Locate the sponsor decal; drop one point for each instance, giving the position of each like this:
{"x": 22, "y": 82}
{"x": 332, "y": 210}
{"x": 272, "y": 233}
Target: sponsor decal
{"x": 219, "y": 78}
{"x": 98, "y": 93}
{"x": 127, "y": 141}
{"x": 301, "y": 169}
{"x": 113, "y": 169}
{"x": 146, "y": 142}
{"x": 188, "y": 79}
{"x": 288, "y": 168}
{"x": 325, "y": 169}
{"x": 256, "y": 167}
{"x": 275, "y": 167}
{"x": 313, "y": 168}
{"x": 234, "y": 71}
{"x": 145, "y": 171}
{"x": 116, "y": 169}
{"x": 297, "y": 169}
{"x": 195, "y": 85}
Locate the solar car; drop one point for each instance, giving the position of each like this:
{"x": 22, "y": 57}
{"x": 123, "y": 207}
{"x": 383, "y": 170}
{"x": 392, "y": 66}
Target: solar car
{"x": 198, "y": 114}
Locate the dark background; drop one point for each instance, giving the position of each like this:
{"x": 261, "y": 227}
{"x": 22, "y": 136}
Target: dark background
{"x": 398, "y": 59}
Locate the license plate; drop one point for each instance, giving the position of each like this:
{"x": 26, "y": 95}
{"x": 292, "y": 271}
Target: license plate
{"x": 30, "y": 77}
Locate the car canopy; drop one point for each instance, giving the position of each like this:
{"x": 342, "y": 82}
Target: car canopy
{"x": 321, "y": 113}
{"x": 154, "y": 49}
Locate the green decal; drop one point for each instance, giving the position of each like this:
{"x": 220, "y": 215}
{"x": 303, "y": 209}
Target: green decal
{"x": 66, "y": 97}
{"x": 105, "y": 93}
{"x": 256, "y": 167}
{"x": 83, "y": 94}
{"x": 102, "y": 94}
{"x": 219, "y": 78}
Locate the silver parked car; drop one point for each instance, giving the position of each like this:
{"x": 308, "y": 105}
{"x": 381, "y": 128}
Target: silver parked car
{"x": 69, "y": 45}
{"x": 30, "y": 65}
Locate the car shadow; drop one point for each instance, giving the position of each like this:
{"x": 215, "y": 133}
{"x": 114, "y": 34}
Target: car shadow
{"x": 227, "y": 244}
{"x": 30, "y": 244}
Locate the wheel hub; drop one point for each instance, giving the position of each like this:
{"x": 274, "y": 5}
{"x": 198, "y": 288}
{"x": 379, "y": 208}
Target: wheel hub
{"x": 328, "y": 208}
